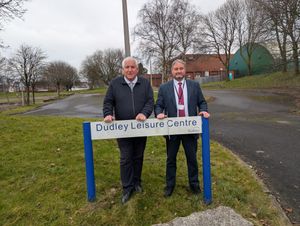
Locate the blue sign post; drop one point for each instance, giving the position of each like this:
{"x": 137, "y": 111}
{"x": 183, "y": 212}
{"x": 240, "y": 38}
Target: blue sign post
{"x": 89, "y": 162}
{"x": 206, "y": 161}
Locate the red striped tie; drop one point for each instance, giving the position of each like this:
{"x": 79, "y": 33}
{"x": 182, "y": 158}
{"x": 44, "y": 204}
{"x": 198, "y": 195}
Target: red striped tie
{"x": 181, "y": 112}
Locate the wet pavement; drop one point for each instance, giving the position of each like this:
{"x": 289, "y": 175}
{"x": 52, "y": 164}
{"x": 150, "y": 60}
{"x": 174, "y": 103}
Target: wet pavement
{"x": 78, "y": 105}
{"x": 264, "y": 135}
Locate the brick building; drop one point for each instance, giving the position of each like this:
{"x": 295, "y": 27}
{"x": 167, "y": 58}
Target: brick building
{"x": 202, "y": 67}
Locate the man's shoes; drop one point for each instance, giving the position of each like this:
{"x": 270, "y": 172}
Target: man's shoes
{"x": 138, "y": 188}
{"x": 126, "y": 196}
{"x": 168, "y": 191}
{"x": 195, "y": 189}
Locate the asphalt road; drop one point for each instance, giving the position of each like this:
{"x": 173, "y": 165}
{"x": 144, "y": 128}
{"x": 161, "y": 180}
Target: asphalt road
{"x": 264, "y": 135}
{"x": 78, "y": 105}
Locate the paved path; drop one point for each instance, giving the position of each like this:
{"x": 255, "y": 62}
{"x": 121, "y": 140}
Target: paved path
{"x": 78, "y": 105}
{"x": 264, "y": 135}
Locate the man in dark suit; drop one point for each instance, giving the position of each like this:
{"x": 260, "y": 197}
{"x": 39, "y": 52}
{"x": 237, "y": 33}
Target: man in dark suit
{"x": 129, "y": 97}
{"x": 179, "y": 98}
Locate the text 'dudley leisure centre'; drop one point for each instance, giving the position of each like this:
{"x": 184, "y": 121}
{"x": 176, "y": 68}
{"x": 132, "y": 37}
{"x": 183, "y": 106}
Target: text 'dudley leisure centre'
{"x": 150, "y": 127}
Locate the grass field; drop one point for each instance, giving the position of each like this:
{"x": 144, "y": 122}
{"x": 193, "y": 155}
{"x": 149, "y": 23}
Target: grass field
{"x": 42, "y": 172}
{"x": 42, "y": 180}
{"x": 277, "y": 80}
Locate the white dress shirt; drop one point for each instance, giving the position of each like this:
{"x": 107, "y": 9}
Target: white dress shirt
{"x": 185, "y": 95}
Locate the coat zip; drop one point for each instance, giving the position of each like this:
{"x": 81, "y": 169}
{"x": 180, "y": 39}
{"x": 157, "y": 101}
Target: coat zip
{"x": 132, "y": 99}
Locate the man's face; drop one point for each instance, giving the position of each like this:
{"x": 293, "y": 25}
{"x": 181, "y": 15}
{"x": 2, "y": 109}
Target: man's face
{"x": 130, "y": 70}
{"x": 178, "y": 71}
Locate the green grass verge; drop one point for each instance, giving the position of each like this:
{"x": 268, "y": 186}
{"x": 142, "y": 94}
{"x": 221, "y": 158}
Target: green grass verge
{"x": 266, "y": 81}
{"x": 40, "y": 97}
{"x": 42, "y": 180}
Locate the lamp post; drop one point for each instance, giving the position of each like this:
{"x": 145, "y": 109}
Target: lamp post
{"x": 126, "y": 30}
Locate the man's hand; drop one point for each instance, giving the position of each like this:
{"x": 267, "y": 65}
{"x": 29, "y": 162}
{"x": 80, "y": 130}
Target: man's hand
{"x": 109, "y": 118}
{"x": 161, "y": 116}
{"x": 141, "y": 117}
{"x": 205, "y": 114}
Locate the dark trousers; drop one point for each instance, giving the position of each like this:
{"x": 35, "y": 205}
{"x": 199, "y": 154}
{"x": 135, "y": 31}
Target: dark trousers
{"x": 189, "y": 143}
{"x": 131, "y": 161}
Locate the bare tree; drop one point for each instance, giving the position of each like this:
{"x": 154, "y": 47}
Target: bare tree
{"x": 292, "y": 27}
{"x": 90, "y": 69}
{"x": 102, "y": 66}
{"x": 5, "y": 77}
{"x": 252, "y": 29}
{"x": 71, "y": 78}
{"x": 219, "y": 30}
{"x": 112, "y": 64}
{"x": 60, "y": 74}
{"x": 187, "y": 24}
{"x": 156, "y": 32}
{"x": 26, "y": 63}
{"x": 10, "y": 9}
{"x": 275, "y": 10}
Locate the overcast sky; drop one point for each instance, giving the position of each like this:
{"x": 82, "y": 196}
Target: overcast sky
{"x": 70, "y": 30}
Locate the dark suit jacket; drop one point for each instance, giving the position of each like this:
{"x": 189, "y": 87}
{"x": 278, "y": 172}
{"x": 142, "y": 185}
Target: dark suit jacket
{"x": 126, "y": 104}
{"x": 166, "y": 102}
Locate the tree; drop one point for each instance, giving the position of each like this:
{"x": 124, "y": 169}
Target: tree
{"x": 219, "y": 30}
{"x": 60, "y": 74}
{"x": 156, "y": 32}
{"x": 291, "y": 25}
{"x": 27, "y": 63}
{"x": 252, "y": 29}
{"x": 10, "y": 9}
{"x": 275, "y": 10}
{"x": 6, "y": 79}
{"x": 187, "y": 24}
{"x": 102, "y": 66}
{"x": 167, "y": 28}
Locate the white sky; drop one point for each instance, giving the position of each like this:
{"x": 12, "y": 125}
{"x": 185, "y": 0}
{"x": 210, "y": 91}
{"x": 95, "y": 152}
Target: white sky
{"x": 70, "y": 30}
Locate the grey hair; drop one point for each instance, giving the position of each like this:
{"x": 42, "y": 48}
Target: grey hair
{"x": 130, "y": 58}
{"x": 178, "y": 61}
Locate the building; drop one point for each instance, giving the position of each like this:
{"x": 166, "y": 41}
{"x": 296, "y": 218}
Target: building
{"x": 204, "y": 65}
{"x": 201, "y": 67}
{"x": 261, "y": 61}
{"x": 155, "y": 79}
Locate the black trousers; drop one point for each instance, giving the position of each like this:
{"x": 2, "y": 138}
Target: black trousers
{"x": 189, "y": 143}
{"x": 131, "y": 161}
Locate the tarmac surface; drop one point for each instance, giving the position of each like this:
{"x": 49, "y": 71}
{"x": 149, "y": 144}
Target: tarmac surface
{"x": 264, "y": 135}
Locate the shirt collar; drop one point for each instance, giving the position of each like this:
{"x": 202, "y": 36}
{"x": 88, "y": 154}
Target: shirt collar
{"x": 176, "y": 82}
{"x": 133, "y": 81}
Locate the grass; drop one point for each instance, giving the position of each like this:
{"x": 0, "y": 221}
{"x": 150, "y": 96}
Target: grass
{"x": 285, "y": 86}
{"x": 16, "y": 97}
{"x": 42, "y": 180}
{"x": 275, "y": 80}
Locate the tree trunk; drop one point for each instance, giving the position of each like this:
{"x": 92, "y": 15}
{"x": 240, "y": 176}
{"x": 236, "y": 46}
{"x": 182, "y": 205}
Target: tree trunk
{"x": 28, "y": 95}
{"x": 58, "y": 89}
{"x": 33, "y": 95}
{"x": 295, "y": 57}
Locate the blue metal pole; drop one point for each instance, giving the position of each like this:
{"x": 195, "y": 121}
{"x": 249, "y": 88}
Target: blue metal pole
{"x": 206, "y": 161}
{"x": 89, "y": 162}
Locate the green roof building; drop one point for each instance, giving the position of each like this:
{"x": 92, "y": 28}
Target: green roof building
{"x": 261, "y": 61}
